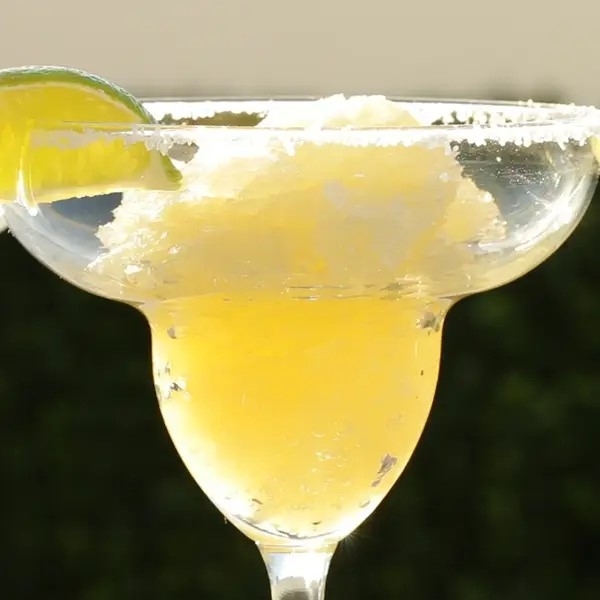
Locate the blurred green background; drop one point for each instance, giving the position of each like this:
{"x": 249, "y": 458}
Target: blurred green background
{"x": 501, "y": 500}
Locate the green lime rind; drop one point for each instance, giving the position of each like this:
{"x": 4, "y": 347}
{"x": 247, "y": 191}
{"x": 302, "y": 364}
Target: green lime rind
{"x": 43, "y": 75}
{"x": 51, "y": 75}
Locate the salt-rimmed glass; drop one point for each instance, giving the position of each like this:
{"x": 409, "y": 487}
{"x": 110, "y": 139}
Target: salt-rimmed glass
{"x": 296, "y": 281}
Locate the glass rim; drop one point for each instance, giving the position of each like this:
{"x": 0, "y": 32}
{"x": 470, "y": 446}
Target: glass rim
{"x": 548, "y": 113}
{"x": 520, "y": 122}
{"x": 554, "y": 113}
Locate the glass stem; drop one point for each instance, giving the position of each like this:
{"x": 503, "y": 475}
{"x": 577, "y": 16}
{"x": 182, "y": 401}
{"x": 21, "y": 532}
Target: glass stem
{"x": 297, "y": 574}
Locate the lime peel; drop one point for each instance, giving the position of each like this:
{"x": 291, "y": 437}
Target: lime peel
{"x": 61, "y": 100}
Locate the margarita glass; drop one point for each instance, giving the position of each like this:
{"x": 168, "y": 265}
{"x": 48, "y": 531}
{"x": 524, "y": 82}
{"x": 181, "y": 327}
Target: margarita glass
{"x": 297, "y": 275}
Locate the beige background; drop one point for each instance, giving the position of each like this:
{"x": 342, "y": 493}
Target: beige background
{"x": 463, "y": 48}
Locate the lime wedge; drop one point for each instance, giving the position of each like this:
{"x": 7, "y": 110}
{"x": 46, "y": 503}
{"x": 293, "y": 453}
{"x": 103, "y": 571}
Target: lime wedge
{"x": 35, "y": 101}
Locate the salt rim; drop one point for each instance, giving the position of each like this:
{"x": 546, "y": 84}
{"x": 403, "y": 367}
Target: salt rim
{"x": 522, "y": 124}
{"x": 430, "y": 109}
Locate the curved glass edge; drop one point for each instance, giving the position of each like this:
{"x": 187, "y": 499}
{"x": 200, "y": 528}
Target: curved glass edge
{"x": 164, "y": 137}
{"x": 450, "y": 120}
{"x": 522, "y": 112}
